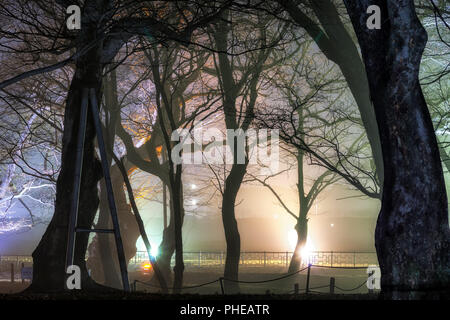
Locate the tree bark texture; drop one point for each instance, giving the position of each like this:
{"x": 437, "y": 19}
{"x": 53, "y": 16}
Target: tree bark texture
{"x": 412, "y": 235}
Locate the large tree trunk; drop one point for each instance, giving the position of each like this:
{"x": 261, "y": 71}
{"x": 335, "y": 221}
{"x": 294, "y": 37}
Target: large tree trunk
{"x": 232, "y": 237}
{"x": 412, "y": 236}
{"x": 49, "y": 256}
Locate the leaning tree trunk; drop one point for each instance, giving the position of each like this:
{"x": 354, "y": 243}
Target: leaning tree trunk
{"x": 232, "y": 237}
{"x": 336, "y": 43}
{"x": 412, "y": 235}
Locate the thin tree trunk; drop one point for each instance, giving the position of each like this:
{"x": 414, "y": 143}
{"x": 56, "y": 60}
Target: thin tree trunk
{"x": 167, "y": 246}
{"x": 232, "y": 237}
{"x": 166, "y": 249}
{"x": 445, "y": 157}
{"x": 412, "y": 235}
{"x": 140, "y": 224}
{"x": 302, "y": 222}
{"x": 177, "y": 200}
{"x": 302, "y": 235}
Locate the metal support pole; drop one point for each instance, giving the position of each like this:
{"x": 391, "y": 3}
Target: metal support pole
{"x": 221, "y": 285}
{"x": 166, "y": 223}
{"x": 108, "y": 183}
{"x": 12, "y": 272}
{"x": 370, "y": 274}
{"x": 331, "y": 258}
{"x": 165, "y": 204}
{"x": 77, "y": 179}
{"x": 21, "y": 272}
{"x": 264, "y": 258}
{"x": 332, "y": 284}
{"x": 287, "y": 255}
{"x": 307, "y": 278}
{"x": 296, "y": 288}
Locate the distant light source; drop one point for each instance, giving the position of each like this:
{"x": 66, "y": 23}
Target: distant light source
{"x": 332, "y": 225}
{"x": 193, "y": 186}
{"x": 194, "y": 202}
{"x": 154, "y": 251}
{"x": 307, "y": 249}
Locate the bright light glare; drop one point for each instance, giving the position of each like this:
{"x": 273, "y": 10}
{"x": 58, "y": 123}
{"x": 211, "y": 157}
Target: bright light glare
{"x": 146, "y": 266}
{"x": 194, "y": 202}
{"x": 306, "y": 250}
{"x": 154, "y": 251}
{"x": 193, "y": 186}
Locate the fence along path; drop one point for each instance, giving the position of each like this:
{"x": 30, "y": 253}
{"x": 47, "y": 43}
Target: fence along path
{"x": 266, "y": 258}
{"x": 12, "y": 264}
{"x": 296, "y": 289}
{"x": 252, "y": 258}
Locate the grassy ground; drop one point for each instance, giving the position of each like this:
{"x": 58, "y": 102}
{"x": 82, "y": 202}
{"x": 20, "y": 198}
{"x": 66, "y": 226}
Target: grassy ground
{"x": 273, "y": 290}
{"x": 6, "y": 287}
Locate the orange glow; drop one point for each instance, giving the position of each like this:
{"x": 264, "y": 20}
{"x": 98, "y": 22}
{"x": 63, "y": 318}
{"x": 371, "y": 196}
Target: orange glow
{"x": 146, "y": 266}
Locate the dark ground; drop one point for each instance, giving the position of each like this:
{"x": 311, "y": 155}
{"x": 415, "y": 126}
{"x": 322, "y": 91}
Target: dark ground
{"x": 191, "y": 297}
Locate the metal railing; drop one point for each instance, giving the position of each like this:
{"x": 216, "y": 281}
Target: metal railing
{"x": 7, "y": 260}
{"x": 270, "y": 258}
{"x": 248, "y": 258}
